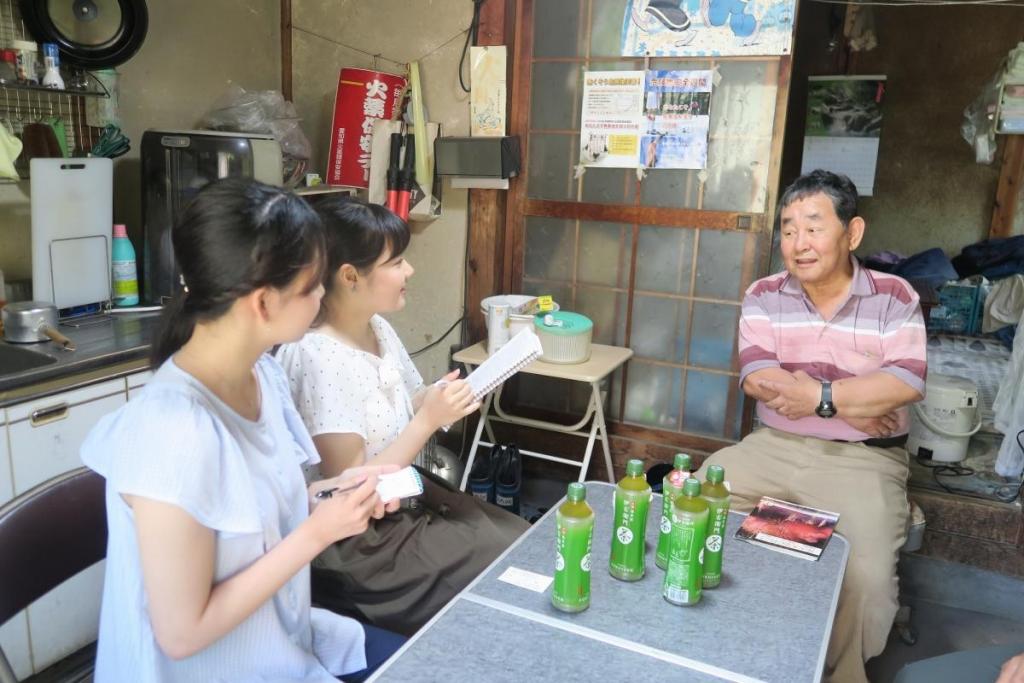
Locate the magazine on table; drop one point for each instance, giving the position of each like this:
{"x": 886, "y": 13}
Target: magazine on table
{"x": 789, "y": 528}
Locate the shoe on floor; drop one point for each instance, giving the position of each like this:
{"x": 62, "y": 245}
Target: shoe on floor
{"x": 670, "y": 14}
{"x": 481, "y": 477}
{"x": 508, "y": 479}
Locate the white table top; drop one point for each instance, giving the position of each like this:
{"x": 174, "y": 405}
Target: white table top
{"x": 603, "y": 361}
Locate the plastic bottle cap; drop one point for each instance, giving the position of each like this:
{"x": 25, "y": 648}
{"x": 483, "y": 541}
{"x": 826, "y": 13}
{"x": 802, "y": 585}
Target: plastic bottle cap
{"x": 634, "y": 468}
{"x": 577, "y": 492}
{"x": 682, "y": 462}
{"x": 716, "y": 474}
{"x": 691, "y": 487}
{"x": 120, "y": 230}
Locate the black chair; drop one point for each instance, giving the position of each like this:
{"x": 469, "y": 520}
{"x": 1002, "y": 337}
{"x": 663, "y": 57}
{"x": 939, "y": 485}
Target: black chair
{"x": 47, "y": 535}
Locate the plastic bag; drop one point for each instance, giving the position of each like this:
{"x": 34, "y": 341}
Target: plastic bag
{"x": 263, "y": 111}
{"x": 979, "y": 125}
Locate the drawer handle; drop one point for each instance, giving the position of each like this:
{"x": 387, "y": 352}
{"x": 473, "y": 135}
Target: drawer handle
{"x": 50, "y": 414}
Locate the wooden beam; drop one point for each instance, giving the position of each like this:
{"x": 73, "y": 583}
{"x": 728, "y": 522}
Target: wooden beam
{"x": 1010, "y": 176}
{"x": 486, "y": 247}
{"x": 646, "y": 215}
{"x": 286, "y": 49}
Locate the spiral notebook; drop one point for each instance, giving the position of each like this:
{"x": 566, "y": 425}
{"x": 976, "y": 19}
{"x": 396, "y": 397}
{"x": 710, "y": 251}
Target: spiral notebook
{"x": 517, "y": 353}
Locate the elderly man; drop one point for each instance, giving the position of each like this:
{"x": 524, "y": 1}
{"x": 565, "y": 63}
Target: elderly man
{"x": 833, "y": 353}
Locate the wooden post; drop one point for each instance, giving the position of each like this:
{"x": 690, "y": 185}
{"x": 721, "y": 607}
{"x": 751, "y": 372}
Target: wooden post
{"x": 286, "y": 49}
{"x": 1010, "y": 175}
{"x": 486, "y": 248}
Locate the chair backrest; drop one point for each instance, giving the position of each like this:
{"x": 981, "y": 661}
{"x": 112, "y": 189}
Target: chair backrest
{"x": 49, "y": 534}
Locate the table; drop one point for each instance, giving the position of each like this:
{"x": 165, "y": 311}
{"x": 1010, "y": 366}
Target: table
{"x": 604, "y": 360}
{"x": 769, "y": 620}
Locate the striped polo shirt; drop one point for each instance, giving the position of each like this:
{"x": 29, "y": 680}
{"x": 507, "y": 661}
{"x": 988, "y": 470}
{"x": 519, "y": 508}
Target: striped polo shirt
{"x": 879, "y": 327}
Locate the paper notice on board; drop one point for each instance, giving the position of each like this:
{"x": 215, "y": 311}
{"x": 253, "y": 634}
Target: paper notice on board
{"x": 612, "y": 118}
{"x": 677, "y": 119}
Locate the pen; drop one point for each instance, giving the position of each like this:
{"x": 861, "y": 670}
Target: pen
{"x": 327, "y": 493}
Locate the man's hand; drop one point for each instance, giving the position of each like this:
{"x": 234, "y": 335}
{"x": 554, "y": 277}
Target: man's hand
{"x": 878, "y": 427}
{"x": 794, "y": 399}
{"x": 1012, "y": 671}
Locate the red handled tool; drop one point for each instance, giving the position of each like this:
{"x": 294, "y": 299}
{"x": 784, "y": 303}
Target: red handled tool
{"x": 391, "y": 201}
{"x": 406, "y": 179}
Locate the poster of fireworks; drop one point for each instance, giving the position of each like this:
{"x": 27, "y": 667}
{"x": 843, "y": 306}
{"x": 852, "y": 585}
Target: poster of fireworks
{"x": 707, "y": 28}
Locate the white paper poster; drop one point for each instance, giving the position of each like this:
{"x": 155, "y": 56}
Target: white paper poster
{"x": 691, "y": 28}
{"x": 612, "y": 118}
{"x": 844, "y": 122}
{"x": 677, "y": 114}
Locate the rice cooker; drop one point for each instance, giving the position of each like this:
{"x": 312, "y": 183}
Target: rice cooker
{"x": 941, "y": 426}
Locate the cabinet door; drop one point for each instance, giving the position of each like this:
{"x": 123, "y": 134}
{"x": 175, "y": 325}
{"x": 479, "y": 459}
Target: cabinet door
{"x": 46, "y": 434}
{"x": 45, "y": 438}
{"x": 13, "y": 634}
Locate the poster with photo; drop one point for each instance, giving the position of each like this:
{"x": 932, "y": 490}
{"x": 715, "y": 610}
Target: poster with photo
{"x": 677, "y": 108}
{"x": 844, "y": 125}
{"x": 701, "y": 28}
{"x": 612, "y": 118}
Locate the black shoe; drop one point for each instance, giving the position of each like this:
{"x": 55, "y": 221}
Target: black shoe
{"x": 669, "y": 13}
{"x": 481, "y": 477}
{"x": 508, "y": 479}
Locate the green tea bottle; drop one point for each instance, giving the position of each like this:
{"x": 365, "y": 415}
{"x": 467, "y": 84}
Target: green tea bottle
{"x": 632, "y": 501}
{"x": 574, "y": 523}
{"x": 684, "y": 575}
{"x": 717, "y": 497}
{"x": 671, "y": 486}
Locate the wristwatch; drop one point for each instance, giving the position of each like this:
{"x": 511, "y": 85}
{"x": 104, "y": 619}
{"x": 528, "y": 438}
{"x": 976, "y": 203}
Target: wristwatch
{"x": 826, "y": 408}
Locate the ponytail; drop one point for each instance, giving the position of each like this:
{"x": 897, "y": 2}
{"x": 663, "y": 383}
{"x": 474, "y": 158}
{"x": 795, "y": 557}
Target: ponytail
{"x": 176, "y": 327}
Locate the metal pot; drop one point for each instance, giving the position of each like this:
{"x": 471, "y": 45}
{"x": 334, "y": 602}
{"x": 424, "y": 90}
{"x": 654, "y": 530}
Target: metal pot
{"x": 26, "y": 322}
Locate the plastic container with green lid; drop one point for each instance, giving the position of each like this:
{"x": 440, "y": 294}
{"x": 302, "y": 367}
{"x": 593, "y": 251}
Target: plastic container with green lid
{"x": 565, "y": 336}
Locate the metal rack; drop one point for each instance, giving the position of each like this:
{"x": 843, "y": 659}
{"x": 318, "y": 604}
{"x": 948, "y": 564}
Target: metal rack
{"x": 21, "y": 104}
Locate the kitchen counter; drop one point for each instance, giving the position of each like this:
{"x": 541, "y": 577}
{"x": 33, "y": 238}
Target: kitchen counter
{"x": 103, "y": 350}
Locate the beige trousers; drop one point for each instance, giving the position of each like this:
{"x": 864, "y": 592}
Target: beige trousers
{"x": 868, "y": 488}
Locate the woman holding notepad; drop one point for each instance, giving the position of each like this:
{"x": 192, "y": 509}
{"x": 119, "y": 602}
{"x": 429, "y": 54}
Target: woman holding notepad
{"x": 363, "y": 400}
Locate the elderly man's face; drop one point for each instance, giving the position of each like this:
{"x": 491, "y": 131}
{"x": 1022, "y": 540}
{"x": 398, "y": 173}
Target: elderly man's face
{"x": 815, "y": 245}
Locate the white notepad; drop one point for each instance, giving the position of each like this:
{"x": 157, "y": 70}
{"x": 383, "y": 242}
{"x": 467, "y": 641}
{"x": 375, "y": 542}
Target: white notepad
{"x": 516, "y": 354}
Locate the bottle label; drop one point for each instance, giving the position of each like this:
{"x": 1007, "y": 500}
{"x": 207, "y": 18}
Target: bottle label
{"x": 668, "y": 497}
{"x": 627, "y": 556}
{"x": 684, "y": 573}
{"x": 573, "y": 542}
{"x": 125, "y": 280}
{"x": 718, "y": 515}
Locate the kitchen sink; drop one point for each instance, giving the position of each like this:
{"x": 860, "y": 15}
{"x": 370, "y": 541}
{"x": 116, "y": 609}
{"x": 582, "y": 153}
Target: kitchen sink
{"x": 18, "y": 359}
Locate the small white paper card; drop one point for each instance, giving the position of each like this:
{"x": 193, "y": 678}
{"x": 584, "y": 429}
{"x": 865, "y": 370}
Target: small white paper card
{"x": 531, "y": 581}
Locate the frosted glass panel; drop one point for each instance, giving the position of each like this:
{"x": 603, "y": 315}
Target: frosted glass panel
{"x": 550, "y": 248}
{"x": 713, "y": 335}
{"x": 561, "y": 293}
{"x": 607, "y": 310}
{"x": 737, "y": 174}
{"x": 604, "y": 254}
{"x": 659, "y": 328}
{"x": 706, "y": 399}
{"x": 556, "y": 28}
{"x": 555, "y": 96}
{"x": 609, "y": 186}
{"x": 550, "y": 168}
{"x": 653, "y": 395}
{"x": 720, "y": 264}
{"x": 606, "y": 27}
{"x": 670, "y": 188}
{"x": 664, "y": 260}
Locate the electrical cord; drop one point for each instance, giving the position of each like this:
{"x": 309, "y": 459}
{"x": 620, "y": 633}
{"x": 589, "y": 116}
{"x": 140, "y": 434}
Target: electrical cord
{"x": 470, "y": 38}
{"x": 438, "y": 340}
{"x": 1007, "y": 493}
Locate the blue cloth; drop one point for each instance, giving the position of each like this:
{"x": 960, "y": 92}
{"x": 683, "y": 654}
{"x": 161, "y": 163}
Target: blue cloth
{"x": 930, "y": 268}
{"x": 977, "y": 666}
{"x": 380, "y": 645}
{"x": 995, "y": 259}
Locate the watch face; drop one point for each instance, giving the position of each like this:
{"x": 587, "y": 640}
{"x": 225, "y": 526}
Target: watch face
{"x": 825, "y": 410}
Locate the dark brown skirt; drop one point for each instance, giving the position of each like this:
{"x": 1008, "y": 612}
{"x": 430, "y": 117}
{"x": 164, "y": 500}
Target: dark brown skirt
{"x": 405, "y": 567}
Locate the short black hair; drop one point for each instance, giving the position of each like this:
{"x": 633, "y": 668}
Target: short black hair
{"x": 836, "y": 186}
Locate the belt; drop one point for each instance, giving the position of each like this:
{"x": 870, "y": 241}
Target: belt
{"x": 887, "y": 442}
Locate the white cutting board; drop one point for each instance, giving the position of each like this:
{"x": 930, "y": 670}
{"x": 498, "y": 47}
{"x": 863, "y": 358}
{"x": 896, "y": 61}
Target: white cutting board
{"x": 72, "y": 221}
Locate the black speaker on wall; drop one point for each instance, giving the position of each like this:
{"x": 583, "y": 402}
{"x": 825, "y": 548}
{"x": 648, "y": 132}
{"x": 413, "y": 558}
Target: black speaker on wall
{"x": 93, "y": 34}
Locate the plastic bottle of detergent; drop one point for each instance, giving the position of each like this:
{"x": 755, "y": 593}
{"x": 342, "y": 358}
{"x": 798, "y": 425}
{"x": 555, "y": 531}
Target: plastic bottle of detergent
{"x": 126, "y": 282}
